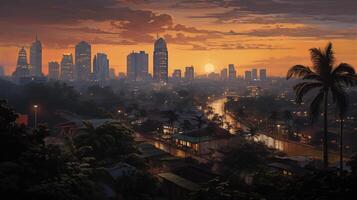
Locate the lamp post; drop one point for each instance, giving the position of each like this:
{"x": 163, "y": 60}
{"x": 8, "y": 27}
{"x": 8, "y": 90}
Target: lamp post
{"x": 35, "y": 112}
{"x": 278, "y": 126}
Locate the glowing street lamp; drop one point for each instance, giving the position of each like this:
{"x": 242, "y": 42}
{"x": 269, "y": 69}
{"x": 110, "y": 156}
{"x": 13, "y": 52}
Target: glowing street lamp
{"x": 35, "y": 107}
{"x": 278, "y": 126}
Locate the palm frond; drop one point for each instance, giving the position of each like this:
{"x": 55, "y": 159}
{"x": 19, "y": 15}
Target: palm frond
{"x": 322, "y": 60}
{"x": 298, "y": 71}
{"x": 329, "y": 54}
{"x": 346, "y": 79}
{"x": 316, "y": 59}
{"x": 344, "y": 68}
{"x": 303, "y": 88}
{"x": 316, "y": 105}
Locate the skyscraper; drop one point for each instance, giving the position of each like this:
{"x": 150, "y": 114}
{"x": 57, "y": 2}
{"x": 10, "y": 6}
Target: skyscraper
{"x": 101, "y": 67}
{"x": 190, "y": 73}
{"x": 53, "y": 70}
{"x": 137, "y": 66}
{"x": 67, "y": 68}
{"x": 232, "y": 72}
{"x": 22, "y": 67}
{"x": 2, "y": 71}
{"x": 254, "y": 74}
{"x": 36, "y": 58}
{"x": 248, "y": 75}
{"x": 224, "y": 74}
{"x": 263, "y": 74}
{"x": 160, "y": 61}
{"x": 176, "y": 75}
{"x": 111, "y": 73}
{"x": 83, "y": 61}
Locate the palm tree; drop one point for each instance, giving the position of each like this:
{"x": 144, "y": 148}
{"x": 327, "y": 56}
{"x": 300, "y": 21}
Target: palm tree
{"x": 325, "y": 78}
{"x": 342, "y": 105}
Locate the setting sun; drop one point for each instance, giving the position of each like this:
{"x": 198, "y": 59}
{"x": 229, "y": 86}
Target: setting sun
{"x": 209, "y": 68}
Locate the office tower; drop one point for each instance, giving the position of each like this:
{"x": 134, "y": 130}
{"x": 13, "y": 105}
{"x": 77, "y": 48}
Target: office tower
{"x": 190, "y": 73}
{"x": 22, "y": 67}
{"x": 176, "y": 75}
{"x": 101, "y": 67}
{"x": 111, "y": 73}
{"x": 232, "y": 72}
{"x": 137, "y": 66}
{"x": 67, "y": 68}
{"x": 53, "y": 70}
{"x": 160, "y": 61}
{"x": 224, "y": 74}
{"x": 254, "y": 74}
{"x": 83, "y": 61}
{"x": 263, "y": 74}
{"x": 2, "y": 71}
{"x": 248, "y": 75}
{"x": 36, "y": 58}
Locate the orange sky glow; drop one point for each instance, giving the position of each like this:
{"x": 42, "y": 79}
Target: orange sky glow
{"x": 249, "y": 35}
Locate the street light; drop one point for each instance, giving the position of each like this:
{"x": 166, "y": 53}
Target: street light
{"x": 278, "y": 126}
{"x": 35, "y": 112}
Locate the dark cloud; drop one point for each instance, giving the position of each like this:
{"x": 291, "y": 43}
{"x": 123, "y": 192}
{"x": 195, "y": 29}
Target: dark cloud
{"x": 133, "y": 25}
{"x": 300, "y": 32}
{"x": 280, "y": 11}
{"x": 88, "y": 30}
{"x": 235, "y": 46}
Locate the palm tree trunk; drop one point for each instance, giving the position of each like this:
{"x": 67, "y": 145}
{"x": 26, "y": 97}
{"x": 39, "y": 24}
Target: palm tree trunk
{"x": 325, "y": 138}
{"x": 341, "y": 144}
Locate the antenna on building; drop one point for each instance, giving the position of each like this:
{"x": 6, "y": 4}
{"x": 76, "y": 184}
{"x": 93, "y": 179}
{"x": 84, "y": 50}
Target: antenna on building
{"x": 36, "y": 36}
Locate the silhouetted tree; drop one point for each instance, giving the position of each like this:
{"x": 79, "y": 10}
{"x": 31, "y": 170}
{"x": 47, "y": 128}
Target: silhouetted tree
{"x": 327, "y": 79}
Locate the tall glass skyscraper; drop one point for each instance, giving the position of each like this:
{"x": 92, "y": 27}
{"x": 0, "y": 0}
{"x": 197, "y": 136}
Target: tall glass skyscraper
{"x": 137, "y": 66}
{"x": 53, "y": 70}
{"x": 67, "y": 68}
{"x": 190, "y": 73}
{"x": 22, "y": 67}
{"x": 83, "y": 61}
{"x": 101, "y": 67}
{"x": 36, "y": 58}
{"x": 160, "y": 61}
{"x": 231, "y": 72}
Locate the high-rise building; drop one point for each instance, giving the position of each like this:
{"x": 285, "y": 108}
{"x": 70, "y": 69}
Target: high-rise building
{"x": 177, "y": 75}
{"x": 36, "y": 58}
{"x": 67, "y": 68}
{"x": 2, "y": 71}
{"x": 137, "y": 66}
{"x": 232, "y": 72}
{"x": 83, "y": 61}
{"x": 22, "y": 67}
{"x": 248, "y": 75}
{"x": 160, "y": 61}
{"x": 53, "y": 70}
{"x": 254, "y": 74}
{"x": 224, "y": 74}
{"x": 263, "y": 74}
{"x": 190, "y": 73}
{"x": 101, "y": 67}
{"x": 111, "y": 73}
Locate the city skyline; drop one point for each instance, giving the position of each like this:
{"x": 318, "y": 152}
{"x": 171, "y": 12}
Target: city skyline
{"x": 274, "y": 36}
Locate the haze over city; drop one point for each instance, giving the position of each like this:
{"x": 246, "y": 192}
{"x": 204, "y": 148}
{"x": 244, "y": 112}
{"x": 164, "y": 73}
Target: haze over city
{"x": 250, "y": 34}
{"x": 178, "y": 99}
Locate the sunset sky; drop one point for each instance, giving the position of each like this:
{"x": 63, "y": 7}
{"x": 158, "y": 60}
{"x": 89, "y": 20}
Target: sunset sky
{"x": 274, "y": 34}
